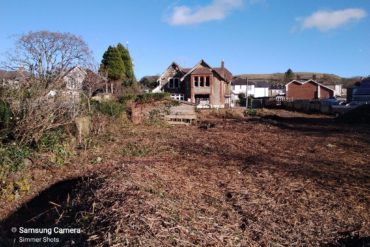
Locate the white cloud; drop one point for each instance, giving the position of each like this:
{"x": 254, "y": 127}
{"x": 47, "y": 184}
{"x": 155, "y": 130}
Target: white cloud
{"x": 327, "y": 20}
{"x": 217, "y": 10}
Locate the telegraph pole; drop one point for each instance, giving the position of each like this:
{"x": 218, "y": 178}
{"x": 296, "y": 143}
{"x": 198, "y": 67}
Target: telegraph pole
{"x": 246, "y": 96}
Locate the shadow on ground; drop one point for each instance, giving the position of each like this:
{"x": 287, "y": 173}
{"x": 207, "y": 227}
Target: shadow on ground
{"x": 56, "y": 206}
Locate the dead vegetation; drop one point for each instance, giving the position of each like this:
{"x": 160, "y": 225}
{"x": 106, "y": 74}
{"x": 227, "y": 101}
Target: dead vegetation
{"x": 280, "y": 179}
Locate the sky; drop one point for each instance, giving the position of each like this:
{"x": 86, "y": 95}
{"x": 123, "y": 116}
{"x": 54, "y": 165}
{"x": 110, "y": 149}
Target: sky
{"x": 251, "y": 36}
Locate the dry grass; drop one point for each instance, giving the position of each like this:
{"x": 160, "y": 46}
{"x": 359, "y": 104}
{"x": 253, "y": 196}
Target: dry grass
{"x": 281, "y": 180}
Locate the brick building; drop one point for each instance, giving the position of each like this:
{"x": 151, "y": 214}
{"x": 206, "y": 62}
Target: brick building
{"x": 203, "y": 85}
{"x": 307, "y": 90}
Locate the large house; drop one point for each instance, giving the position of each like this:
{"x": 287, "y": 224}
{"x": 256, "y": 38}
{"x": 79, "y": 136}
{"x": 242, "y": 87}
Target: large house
{"x": 307, "y": 90}
{"x": 203, "y": 85}
{"x": 79, "y": 80}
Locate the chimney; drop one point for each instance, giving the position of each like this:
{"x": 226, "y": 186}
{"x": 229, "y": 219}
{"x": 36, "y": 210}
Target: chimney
{"x": 223, "y": 68}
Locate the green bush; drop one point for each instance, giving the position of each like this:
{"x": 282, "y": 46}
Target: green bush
{"x": 110, "y": 108}
{"x": 56, "y": 143}
{"x": 12, "y": 157}
{"x": 125, "y": 98}
{"x": 50, "y": 139}
{"x": 251, "y": 112}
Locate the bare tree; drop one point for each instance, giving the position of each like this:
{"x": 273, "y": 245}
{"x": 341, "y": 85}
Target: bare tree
{"x": 47, "y": 56}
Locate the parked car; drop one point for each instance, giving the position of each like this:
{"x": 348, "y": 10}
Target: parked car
{"x": 341, "y": 109}
{"x": 330, "y": 101}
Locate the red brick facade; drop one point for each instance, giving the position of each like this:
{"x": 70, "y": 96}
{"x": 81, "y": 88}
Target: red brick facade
{"x": 307, "y": 90}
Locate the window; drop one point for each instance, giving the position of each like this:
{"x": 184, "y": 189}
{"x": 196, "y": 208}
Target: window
{"x": 196, "y": 81}
{"x": 201, "y": 81}
{"x": 207, "y": 81}
{"x": 173, "y": 83}
{"x": 176, "y": 96}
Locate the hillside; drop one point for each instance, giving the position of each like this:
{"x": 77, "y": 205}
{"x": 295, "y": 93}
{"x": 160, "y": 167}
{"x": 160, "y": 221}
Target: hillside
{"x": 325, "y": 77}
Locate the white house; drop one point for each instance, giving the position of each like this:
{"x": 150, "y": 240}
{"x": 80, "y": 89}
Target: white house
{"x": 256, "y": 89}
{"x": 261, "y": 89}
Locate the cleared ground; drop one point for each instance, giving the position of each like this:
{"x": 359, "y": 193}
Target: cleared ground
{"x": 279, "y": 179}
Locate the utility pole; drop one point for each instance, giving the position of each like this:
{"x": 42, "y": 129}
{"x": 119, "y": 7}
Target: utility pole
{"x": 246, "y": 96}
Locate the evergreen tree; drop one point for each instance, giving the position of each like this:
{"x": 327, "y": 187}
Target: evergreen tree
{"x": 126, "y": 58}
{"x": 117, "y": 64}
{"x": 289, "y": 76}
{"x": 112, "y": 65}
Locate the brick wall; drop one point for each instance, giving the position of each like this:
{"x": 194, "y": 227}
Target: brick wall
{"x": 325, "y": 93}
{"x": 302, "y": 91}
{"x": 307, "y": 91}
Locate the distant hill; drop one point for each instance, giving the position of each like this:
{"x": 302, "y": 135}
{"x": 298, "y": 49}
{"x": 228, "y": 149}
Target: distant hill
{"x": 324, "y": 78}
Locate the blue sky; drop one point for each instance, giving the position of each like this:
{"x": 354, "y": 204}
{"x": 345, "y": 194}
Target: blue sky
{"x": 252, "y": 36}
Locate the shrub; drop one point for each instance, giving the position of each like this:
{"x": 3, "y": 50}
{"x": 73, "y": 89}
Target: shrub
{"x": 11, "y": 189}
{"x": 110, "y": 108}
{"x": 56, "y": 143}
{"x": 251, "y": 112}
{"x": 12, "y": 157}
{"x": 135, "y": 150}
{"x": 125, "y": 98}
{"x": 50, "y": 139}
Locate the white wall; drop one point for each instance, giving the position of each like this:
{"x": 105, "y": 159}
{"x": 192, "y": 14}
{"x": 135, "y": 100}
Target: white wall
{"x": 261, "y": 92}
{"x": 237, "y": 89}
{"x": 256, "y": 92}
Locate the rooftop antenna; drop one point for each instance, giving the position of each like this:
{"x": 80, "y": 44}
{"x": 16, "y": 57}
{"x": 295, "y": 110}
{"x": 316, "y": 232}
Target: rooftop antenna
{"x": 127, "y": 45}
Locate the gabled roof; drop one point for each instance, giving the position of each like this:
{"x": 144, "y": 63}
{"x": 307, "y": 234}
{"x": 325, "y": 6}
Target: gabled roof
{"x": 227, "y": 77}
{"x": 304, "y": 82}
{"x": 73, "y": 71}
{"x": 228, "y": 74}
{"x": 174, "y": 64}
